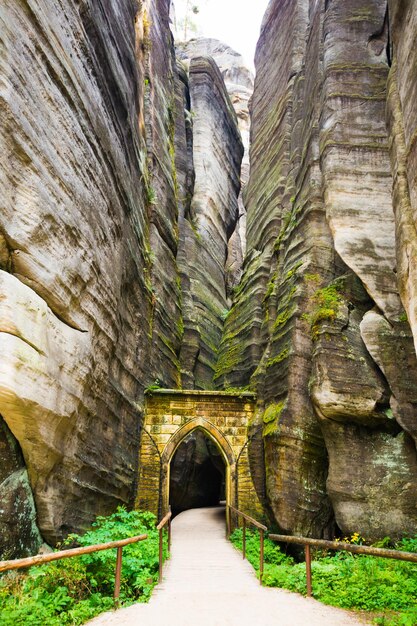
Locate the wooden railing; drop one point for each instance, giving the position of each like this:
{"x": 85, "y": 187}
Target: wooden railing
{"x": 40, "y": 559}
{"x": 247, "y": 519}
{"x": 338, "y": 545}
{"x": 164, "y": 521}
{"x": 308, "y": 543}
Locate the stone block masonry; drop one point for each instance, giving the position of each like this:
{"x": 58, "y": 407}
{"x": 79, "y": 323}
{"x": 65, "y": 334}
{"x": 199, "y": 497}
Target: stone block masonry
{"x": 171, "y": 415}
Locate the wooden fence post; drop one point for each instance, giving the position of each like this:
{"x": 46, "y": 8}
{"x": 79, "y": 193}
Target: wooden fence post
{"x": 118, "y": 576}
{"x": 308, "y": 570}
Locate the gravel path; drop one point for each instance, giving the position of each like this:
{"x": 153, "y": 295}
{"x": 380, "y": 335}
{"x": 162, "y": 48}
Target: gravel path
{"x": 207, "y": 583}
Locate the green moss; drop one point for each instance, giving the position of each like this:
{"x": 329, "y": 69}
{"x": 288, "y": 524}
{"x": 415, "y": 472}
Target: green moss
{"x": 236, "y": 390}
{"x": 269, "y": 429}
{"x": 292, "y": 271}
{"x": 283, "y": 317}
{"x": 271, "y": 418}
{"x": 273, "y": 412}
{"x": 278, "y": 359}
{"x": 270, "y": 286}
{"x": 327, "y": 301}
{"x": 312, "y": 278}
{"x": 289, "y": 222}
{"x": 151, "y": 197}
{"x": 180, "y": 326}
{"x": 167, "y": 342}
{"x": 229, "y": 360}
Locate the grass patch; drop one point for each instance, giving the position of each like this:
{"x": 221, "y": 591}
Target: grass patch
{"x": 327, "y": 302}
{"x": 383, "y": 587}
{"x": 74, "y": 590}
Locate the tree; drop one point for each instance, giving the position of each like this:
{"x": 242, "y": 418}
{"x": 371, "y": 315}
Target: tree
{"x": 185, "y": 24}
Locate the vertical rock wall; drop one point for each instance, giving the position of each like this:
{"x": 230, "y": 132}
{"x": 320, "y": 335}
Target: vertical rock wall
{"x": 85, "y": 306}
{"x": 114, "y": 225}
{"x": 162, "y": 194}
{"x": 19, "y": 534}
{"x": 239, "y": 84}
{"x": 121, "y": 237}
{"x": 402, "y": 122}
{"x": 209, "y": 220}
{"x": 317, "y": 325}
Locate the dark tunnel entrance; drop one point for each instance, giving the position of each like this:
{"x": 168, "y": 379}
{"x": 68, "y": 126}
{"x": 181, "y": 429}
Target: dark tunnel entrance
{"x": 197, "y": 474}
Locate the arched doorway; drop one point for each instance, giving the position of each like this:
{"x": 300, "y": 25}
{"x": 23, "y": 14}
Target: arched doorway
{"x": 224, "y": 448}
{"x": 197, "y": 473}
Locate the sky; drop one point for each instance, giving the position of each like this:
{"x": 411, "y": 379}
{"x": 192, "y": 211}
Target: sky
{"x": 235, "y": 22}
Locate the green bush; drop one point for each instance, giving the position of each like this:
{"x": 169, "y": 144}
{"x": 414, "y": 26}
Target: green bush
{"x": 345, "y": 580}
{"x": 272, "y": 552}
{"x": 74, "y": 590}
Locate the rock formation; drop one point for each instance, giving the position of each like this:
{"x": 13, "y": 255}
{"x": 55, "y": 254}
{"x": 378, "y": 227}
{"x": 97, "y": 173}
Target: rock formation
{"x": 73, "y": 232}
{"x": 209, "y": 221}
{"x": 317, "y": 324}
{"x": 87, "y": 311}
{"x": 402, "y": 123}
{"x": 98, "y": 185}
{"x": 19, "y": 534}
{"x": 239, "y": 84}
{"x": 125, "y": 238}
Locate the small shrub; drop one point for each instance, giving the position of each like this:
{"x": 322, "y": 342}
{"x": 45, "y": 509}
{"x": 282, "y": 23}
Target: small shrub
{"x": 346, "y": 580}
{"x": 327, "y": 302}
{"x": 74, "y": 590}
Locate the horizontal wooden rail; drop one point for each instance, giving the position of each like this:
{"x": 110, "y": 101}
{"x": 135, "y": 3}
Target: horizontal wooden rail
{"x": 164, "y": 521}
{"x": 262, "y": 529}
{"x": 339, "y": 545}
{"x": 40, "y": 559}
{"x": 248, "y": 518}
{"x": 347, "y": 547}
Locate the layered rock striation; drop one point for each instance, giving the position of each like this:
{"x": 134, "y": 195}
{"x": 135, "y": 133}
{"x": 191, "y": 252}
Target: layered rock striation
{"x": 74, "y": 233}
{"x": 117, "y": 207}
{"x": 124, "y": 238}
{"x": 209, "y": 220}
{"x": 239, "y": 84}
{"x": 317, "y": 325}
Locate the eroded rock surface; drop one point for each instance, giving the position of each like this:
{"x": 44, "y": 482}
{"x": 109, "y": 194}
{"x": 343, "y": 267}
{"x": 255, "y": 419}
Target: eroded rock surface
{"x": 118, "y": 203}
{"x": 209, "y": 221}
{"x": 19, "y": 534}
{"x": 122, "y": 235}
{"x": 239, "y": 84}
{"x": 82, "y": 297}
{"x": 317, "y": 325}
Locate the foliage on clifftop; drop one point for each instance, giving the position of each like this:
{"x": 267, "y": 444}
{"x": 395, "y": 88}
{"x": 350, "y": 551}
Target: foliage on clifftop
{"x": 74, "y": 590}
{"x": 384, "y": 587}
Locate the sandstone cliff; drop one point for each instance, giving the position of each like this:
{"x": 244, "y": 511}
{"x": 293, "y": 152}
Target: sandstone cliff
{"x": 317, "y": 325}
{"x": 103, "y": 190}
{"x": 402, "y": 122}
{"x": 211, "y": 219}
{"x": 124, "y": 238}
{"x": 239, "y": 85}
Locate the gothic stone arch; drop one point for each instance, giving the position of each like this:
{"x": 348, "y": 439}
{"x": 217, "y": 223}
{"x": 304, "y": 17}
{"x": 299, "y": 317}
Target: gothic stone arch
{"x": 170, "y": 416}
{"x": 222, "y": 443}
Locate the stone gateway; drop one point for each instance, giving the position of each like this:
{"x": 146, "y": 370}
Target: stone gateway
{"x": 170, "y": 416}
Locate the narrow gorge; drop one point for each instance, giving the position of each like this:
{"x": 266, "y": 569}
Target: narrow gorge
{"x": 170, "y": 221}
